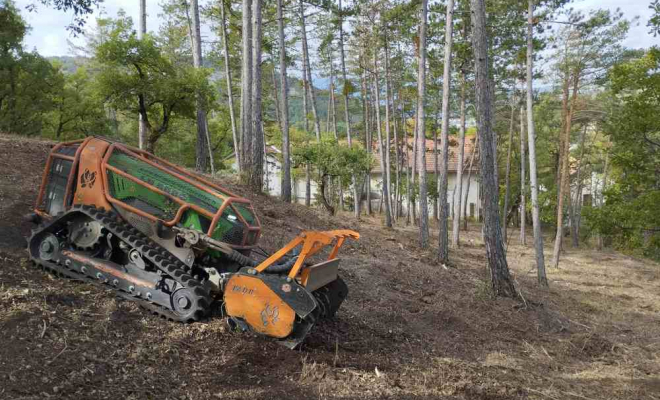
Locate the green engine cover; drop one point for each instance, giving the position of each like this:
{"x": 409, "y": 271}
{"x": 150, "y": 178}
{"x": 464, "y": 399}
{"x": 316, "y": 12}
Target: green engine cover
{"x": 230, "y": 228}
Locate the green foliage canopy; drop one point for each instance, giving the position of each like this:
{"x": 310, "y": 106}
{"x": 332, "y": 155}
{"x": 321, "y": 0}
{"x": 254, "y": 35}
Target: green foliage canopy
{"x": 631, "y": 215}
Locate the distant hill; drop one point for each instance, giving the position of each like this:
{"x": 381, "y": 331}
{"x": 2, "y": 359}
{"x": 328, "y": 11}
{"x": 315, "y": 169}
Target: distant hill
{"x": 69, "y": 64}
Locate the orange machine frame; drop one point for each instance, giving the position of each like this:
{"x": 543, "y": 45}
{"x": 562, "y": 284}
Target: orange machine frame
{"x": 227, "y": 197}
{"x": 312, "y": 242}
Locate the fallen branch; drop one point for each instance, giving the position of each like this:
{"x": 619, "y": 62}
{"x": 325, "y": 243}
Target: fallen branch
{"x": 43, "y": 331}
{"x": 58, "y": 354}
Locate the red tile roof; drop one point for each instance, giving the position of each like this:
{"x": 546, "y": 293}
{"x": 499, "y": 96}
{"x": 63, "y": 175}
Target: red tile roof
{"x": 453, "y": 154}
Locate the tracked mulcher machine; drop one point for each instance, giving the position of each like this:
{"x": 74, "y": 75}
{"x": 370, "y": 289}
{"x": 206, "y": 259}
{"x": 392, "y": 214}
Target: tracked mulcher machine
{"x": 177, "y": 243}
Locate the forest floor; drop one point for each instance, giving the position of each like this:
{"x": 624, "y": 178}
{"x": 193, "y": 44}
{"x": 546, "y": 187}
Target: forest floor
{"x": 410, "y": 328}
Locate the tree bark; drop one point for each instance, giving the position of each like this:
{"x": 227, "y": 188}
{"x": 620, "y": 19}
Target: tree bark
{"x": 469, "y": 179}
{"x": 230, "y": 94}
{"x": 202, "y": 149}
{"x": 531, "y": 140}
{"x": 601, "y": 201}
{"x": 286, "y": 167}
{"x": 356, "y": 189}
{"x": 408, "y": 162}
{"x": 381, "y": 146}
{"x": 347, "y": 113}
{"x": 507, "y": 178}
{"x": 332, "y": 101}
{"x": 501, "y": 281}
{"x": 367, "y": 135}
{"x": 443, "y": 240}
{"x": 308, "y": 185}
{"x": 397, "y": 184}
{"x": 276, "y": 97}
{"x": 256, "y": 181}
{"x": 246, "y": 90}
{"x": 324, "y": 198}
{"x": 564, "y": 181}
{"x": 523, "y": 213}
{"x": 421, "y": 131}
{"x": 142, "y": 30}
{"x": 413, "y": 175}
{"x": 304, "y": 95}
{"x": 435, "y": 162}
{"x": 310, "y": 82}
{"x": 455, "y": 239}
{"x": 575, "y": 209}
{"x": 388, "y": 165}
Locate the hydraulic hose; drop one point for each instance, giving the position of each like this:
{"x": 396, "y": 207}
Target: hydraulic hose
{"x": 248, "y": 262}
{"x": 193, "y": 237}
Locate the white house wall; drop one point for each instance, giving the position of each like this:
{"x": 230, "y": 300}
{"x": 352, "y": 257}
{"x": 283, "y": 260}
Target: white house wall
{"x": 473, "y": 195}
{"x": 273, "y": 184}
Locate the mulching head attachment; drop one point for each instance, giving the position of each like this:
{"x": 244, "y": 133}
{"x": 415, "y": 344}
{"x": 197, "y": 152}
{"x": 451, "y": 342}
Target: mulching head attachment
{"x": 287, "y": 306}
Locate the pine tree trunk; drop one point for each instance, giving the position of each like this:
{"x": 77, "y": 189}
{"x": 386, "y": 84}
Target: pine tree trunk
{"x": 455, "y": 239}
{"x": 381, "y": 146}
{"x": 256, "y": 181}
{"x": 266, "y": 174}
{"x": 531, "y": 141}
{"x": 276, "y": 97}
{"x": 230, "y": 94}
{"x": 397, "y": 193}
{"x": 308, "y": 185}
{"x": 304, "y": 96}
{"x": 469, "y": 179}
{"x": 443, "y": 240}
{"x": 575, "y": 209}
{"x": 500, "y": 278}
{"x": 246, "y": 91}
{"x": 414, "y": 174}
{"x": 347, "y": 114}
{"x": 388, "y": 164}
{"x": 367, "y": 137}
{"x": 345, "y": 93}
{"x": 284, "y": 92}
{"x": 507, "y": 178}
{"x": 523, "y": 206}
{"x": 435, "y": 162}
{"x": 310, "y": 82}
{"x": 408, "y": 161}
{"x": 601, "y": 201}
{"x": 203, "y": 148}
{"x": 421, "y": 97}
{"x": 333, "y": 104}
{"x": 142, "y": 30}
{"x": 564, "y": 181}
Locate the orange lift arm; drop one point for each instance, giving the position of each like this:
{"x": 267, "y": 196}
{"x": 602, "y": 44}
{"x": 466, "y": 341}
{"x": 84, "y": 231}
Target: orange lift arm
{"x": 312, "y": 242}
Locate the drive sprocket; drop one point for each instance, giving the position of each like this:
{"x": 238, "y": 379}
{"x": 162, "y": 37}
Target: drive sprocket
{"x": 85, "y": 232}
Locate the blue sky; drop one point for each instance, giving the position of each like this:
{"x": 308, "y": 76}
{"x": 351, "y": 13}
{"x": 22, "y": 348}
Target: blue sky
{"x": 50, "y": 37}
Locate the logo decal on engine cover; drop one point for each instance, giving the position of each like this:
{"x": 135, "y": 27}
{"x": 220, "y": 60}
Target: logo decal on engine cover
{"x": 270, "y": 313}
{"x": 244, "y": 290}
{"x": 87, "y": 179}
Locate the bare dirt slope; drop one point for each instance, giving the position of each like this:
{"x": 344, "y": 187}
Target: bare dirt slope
{"x": 409, "y": 329}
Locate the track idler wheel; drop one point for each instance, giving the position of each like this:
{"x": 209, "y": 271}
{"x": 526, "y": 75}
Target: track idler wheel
{"x": 184, "y": 303}
{"x": 46, "y": 247}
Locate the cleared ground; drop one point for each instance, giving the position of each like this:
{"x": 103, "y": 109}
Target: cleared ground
{"x": 409, "y": 329}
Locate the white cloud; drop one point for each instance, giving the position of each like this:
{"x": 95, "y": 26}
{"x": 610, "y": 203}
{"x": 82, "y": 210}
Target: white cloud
{"x": 50, "y": 36}
{"x": 638, "y": 36}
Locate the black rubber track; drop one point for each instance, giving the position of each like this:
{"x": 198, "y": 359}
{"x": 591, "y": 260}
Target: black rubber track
{"x": 161, "y": 258}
